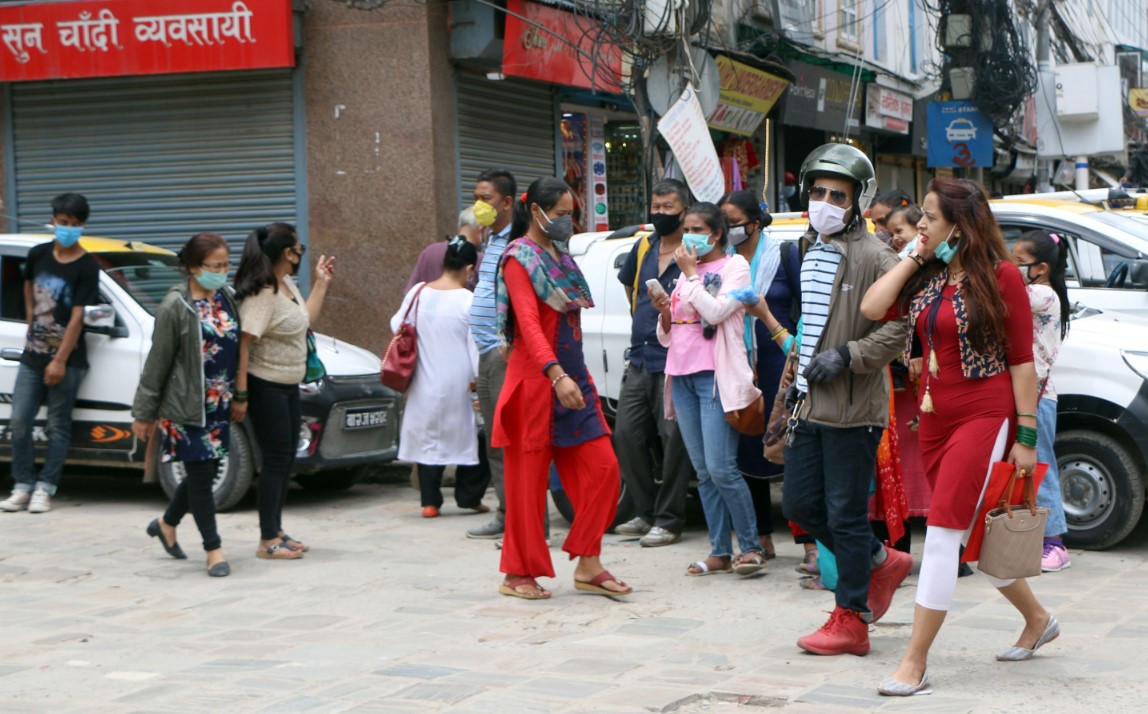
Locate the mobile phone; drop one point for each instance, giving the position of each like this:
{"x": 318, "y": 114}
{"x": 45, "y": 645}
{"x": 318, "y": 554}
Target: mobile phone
{"x": 655, "y": 287}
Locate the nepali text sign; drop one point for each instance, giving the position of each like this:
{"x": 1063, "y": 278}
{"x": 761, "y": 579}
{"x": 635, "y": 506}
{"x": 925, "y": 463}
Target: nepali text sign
{"x": 123, "y": 37}
{"x": 959, "y": 135}
{"x": 684, "y": 127}
{"x": 553, "y": 45}
{"x": 888, "y": 109}
{"x": 747, "y": 95}
{"x": 1138, "y": 101}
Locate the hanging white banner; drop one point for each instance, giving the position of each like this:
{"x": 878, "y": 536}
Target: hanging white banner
{"x": 685, "y": 130}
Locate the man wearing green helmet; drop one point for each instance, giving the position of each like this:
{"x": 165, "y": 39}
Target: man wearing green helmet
{"x": 841, "y": 395}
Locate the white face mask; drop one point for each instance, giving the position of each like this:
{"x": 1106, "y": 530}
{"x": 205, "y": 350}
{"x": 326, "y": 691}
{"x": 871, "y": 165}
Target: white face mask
{"x": 737, "y": 235}
{"x": 826, "y": 218}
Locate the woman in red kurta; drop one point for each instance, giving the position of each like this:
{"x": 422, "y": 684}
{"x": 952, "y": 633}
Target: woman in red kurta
{"x": 968, "y": 304}
{"x": 548, "y": 410}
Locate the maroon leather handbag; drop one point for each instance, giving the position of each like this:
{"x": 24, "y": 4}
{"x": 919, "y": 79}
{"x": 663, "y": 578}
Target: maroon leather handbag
{"x": 402, "y": 352}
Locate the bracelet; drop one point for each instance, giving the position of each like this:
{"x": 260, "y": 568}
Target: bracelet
{"x": 693, "y": 278}
{"x": 240, "y": 393}
{"x": 777, "y": 331}
{"x": 554, "y": 382}
{"x": 238, "y": 399}
{"x": 1026, "y": 436}
{"x": 783, "y": 334}
{"x": 918, "y": 260}
{"x": 1022, "y": 414}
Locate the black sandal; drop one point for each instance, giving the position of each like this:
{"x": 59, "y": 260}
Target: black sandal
{"x": 288, "y": 540}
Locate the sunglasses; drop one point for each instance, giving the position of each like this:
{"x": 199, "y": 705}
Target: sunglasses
{"x": 835, "y": 196}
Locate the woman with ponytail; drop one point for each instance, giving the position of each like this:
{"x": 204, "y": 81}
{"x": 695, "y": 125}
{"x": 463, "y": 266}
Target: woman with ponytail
{"x": 272, "y": 363}
{"x": 549, "y": 410}
{"x": 439, "y": 427}
{"x": 1043, "y": 260}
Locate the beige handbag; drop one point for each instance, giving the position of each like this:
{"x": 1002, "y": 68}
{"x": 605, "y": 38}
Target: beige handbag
{"x": 775, "y": 427}
{"x": 1014, "y": 535}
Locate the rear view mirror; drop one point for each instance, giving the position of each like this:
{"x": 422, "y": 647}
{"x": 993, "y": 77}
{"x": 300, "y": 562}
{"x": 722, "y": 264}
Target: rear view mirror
{"x": 101, "y": 320}
{"x": 1138, "y": 274}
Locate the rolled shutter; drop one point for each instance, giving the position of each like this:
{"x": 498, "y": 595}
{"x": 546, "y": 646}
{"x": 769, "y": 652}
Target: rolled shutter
{"x": 507, "y": 124}
{"x": 159, "y": 158}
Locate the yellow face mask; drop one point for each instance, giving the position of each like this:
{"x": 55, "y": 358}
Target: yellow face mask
{"x": 484, "y": 213}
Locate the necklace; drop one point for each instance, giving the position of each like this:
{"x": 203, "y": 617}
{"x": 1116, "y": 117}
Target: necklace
{"x": 955, "y": 277}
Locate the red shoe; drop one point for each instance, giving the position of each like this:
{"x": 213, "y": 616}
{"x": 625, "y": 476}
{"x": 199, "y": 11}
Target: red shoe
{"x": 430, "y": 512}
{"x": 845, "y": 633}
{"x": 885, "y": 579}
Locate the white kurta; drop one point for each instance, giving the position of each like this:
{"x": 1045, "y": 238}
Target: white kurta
{"x": 439, "y": 422}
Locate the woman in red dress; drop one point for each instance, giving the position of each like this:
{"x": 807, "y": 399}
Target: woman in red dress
{"x": 548, "y": 410}
{"x": 967, "y": 302}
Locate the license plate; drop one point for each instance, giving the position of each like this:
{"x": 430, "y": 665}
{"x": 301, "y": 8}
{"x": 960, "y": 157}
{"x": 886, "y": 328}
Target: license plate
{"x": 367, "y": 418}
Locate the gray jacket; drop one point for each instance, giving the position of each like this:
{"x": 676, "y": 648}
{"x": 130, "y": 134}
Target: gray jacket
{"x": 171, "y": 386}
{"x": 859, "y": 397}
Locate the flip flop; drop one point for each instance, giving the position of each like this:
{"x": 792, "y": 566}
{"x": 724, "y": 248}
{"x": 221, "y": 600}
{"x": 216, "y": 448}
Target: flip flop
{"x": 595, "y": 585}
{"x": 750, "y": 562}
{"x": 510, "y": 585}
{"x": 705, "y": 569}
{"x": 273, "y": 552}
{"x": 299, "y": 545}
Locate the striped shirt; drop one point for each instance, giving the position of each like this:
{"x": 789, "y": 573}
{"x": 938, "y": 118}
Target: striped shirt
{"x": 483, "y": 310}
{"x": 818, "y": 271}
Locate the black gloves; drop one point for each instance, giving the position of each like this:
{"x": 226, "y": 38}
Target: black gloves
{"x": 827, "y": 365}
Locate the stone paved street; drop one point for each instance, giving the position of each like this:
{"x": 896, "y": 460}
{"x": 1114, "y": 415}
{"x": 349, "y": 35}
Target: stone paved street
{"x": 393, "y": 613}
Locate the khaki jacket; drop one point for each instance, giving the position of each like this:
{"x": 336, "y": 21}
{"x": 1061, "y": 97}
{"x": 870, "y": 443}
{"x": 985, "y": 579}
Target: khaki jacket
{"x": 171, "y": 385}
{"x": 859, "y": 396}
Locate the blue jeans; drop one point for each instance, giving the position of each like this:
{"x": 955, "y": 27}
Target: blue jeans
{"x": 712, "y": 446}
{"x": 1048, "y": 495}
{"x": 28, "y": 395}
{"x": 828, "y": 472}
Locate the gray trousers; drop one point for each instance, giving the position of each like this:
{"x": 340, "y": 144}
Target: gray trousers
{"x": 641, "y": 431}
{"x": 491, "y": 374}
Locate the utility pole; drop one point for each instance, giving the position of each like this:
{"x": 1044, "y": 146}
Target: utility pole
{"x": 1043, "y": 65}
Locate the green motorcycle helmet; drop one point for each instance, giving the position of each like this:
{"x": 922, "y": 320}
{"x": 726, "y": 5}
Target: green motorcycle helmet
{"x": 842, "y": 161}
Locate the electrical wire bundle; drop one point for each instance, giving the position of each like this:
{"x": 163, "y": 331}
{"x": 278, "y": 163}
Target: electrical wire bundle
{"x": 1004, "y": 75}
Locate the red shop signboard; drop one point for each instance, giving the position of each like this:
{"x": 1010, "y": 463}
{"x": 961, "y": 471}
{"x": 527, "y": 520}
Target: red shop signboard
{"x": 556, "y": 46}
{"x": 66, "y": 40}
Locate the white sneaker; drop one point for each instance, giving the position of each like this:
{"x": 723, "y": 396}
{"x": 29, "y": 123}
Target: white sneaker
{"x": 635, "y": 526}
{"x": 41, "y": 502}
{"x": 18, "y": 501}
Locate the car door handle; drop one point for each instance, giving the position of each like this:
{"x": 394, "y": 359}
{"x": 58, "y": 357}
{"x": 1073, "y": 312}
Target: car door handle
{"x": 11, "y": 353}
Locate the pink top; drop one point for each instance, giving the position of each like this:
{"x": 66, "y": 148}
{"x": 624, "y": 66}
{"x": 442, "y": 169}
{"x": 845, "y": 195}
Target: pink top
{"x": 690, "y": 352}
{"x": 732, "y": 372}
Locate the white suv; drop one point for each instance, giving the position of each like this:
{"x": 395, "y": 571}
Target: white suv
{"x": 349, "y": 418}
{"x": 1101, "y": 374}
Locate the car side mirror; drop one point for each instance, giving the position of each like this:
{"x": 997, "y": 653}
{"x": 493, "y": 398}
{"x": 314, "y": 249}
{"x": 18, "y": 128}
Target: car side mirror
{"x": 1138, "y": 274}
{"x": 101, "y": 320}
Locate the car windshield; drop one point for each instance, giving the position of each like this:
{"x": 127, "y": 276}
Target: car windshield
{"x": 1135, "y": 229}
{"x": 145, "y": 276}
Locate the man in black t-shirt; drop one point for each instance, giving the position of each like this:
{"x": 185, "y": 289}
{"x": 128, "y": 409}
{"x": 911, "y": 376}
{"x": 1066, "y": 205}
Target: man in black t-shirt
{"x": 60, "y": 278}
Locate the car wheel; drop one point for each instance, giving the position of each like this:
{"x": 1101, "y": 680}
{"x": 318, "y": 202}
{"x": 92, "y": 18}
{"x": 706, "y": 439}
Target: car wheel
{"x": 338, "y": 480}
{"x": 1103, "y": 496}
{"x": 566, "y": 508}
{"x": 236, "y": 471}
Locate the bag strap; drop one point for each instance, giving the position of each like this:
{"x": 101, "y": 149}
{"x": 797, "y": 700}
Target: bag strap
{"x": 413, "y": 304}
{"x": 1028, "y": 496}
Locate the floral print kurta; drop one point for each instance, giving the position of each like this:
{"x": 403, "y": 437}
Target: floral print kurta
{"x": 186, "y": 442}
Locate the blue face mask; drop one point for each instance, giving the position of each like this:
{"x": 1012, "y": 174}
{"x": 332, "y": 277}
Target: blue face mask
{"x": 700, "y": 242}
{"x": 211, "y": 281}
{"x": 68, "y": 236}
{"x": 944, "y": 251}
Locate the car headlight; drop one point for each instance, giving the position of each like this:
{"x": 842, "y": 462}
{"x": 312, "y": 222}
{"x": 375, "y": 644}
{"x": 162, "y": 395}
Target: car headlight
{"x": 308, "y": 437}
{"x": 1137, "y": 361}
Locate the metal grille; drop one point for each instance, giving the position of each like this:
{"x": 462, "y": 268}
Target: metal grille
{"x": 508, "y": 124}
{"x": 160, "y": 157}
{"x": 337, "y": 442}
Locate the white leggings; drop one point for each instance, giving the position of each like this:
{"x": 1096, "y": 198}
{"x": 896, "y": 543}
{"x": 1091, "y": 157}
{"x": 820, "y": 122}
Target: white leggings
{"x": 937, "y": 582}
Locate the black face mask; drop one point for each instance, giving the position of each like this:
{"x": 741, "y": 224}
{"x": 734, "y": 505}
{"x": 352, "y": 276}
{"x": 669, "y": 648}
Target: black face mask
{"x": 666, "y": 223}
